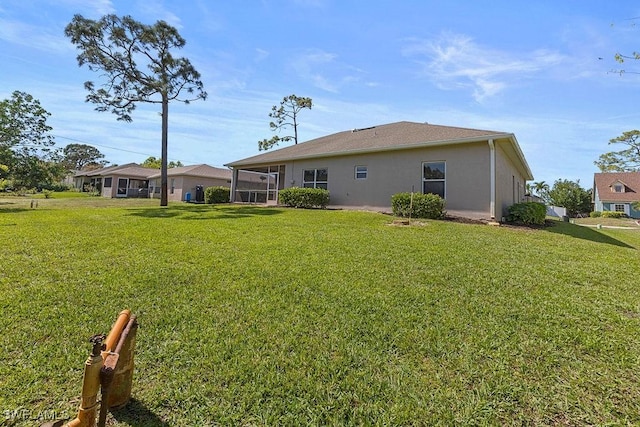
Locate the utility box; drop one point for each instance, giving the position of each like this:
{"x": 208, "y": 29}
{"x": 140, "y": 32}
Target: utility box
{"x": 199, "y": 194}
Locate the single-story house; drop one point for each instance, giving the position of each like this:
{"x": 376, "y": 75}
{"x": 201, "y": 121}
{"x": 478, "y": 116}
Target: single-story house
{"x": 479, "y": 173}
{"x": 617, "y": 191}
{"x": 186, "y": 180}
{"x": 128, "y": 180}
{"x": 132, "y": 180}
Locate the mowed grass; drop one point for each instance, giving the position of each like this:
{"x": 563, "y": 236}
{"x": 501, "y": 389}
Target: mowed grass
{"x": 271, "y": 316}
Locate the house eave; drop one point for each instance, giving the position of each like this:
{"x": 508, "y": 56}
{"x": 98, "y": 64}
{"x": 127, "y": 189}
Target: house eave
{"x": 511, "y": 137}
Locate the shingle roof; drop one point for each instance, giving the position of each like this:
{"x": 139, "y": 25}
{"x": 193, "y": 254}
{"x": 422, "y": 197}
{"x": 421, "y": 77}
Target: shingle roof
{"x": 604, "y": 181}
{"x": 105, "y": 170}
{"x": 204, "y": 171}
{"x": 392, "y": 136}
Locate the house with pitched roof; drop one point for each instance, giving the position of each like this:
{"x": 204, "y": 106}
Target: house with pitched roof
{"x": 479, "y": 173}
{"x": 617, "y": 192}
{"x": 133, "y": 180}
{"x": 188, "y": 179}
{"x": 128, "y": 180}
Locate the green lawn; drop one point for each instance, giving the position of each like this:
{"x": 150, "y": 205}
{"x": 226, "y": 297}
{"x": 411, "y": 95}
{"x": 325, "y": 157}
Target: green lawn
{"x": 269, "y": 316}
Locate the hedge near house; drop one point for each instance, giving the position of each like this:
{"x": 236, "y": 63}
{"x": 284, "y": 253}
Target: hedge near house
{"x": 304, "y": 197}
{"x": 216, "y": 195}
{"x": 430, "y": 206}
{"x": 527, "y": 213}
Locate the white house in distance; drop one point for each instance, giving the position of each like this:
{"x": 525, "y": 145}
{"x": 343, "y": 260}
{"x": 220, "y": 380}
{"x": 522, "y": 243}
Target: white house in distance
{"x": 480, "y": 173}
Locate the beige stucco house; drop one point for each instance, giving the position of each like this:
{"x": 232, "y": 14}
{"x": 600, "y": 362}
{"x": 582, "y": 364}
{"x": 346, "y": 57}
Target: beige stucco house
{"x": 480, "y": 173}
{"x": 132, "y": 180}
{"x": 185, "y": 182}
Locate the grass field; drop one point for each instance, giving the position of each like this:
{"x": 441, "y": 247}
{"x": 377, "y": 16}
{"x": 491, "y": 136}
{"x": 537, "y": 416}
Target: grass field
{"x": 269, "y": 316}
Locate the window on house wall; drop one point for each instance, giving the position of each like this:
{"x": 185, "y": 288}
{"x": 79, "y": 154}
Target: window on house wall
{"x": 173, "y": 185}
{"x": 315, "y": 178}
{"x": 618, "y": 208}
{"x": 618, "y": 188}
{"x": 433, "y": 178}
{"x": 361, "y": 172}
{"x": 107, "y": 182}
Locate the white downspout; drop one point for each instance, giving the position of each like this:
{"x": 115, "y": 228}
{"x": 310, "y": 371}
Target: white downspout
{"x": 492, "y": 172}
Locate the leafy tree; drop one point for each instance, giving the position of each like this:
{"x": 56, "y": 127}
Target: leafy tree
{"x": 570, "y": 195}
{"x": 155, "y": 163}
{"x": 136, "y": 61}
{"x": 23, "y": 123}
{"x": 626, "y": 160}
{"x": 79, "y": 156}
{"x": 26, "y": 154}
{"x": 286, "y": 115}
{"x": 36, "y": 172}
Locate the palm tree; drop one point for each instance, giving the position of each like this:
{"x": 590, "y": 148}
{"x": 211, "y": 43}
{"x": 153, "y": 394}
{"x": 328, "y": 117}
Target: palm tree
{"x": 542, "y": 189}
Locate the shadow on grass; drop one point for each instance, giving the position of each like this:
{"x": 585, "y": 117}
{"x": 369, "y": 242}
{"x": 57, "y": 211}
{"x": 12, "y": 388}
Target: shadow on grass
{"x": 14, "y": 210}
{"x": 586, "y": 233}
{"x": 204, "y": 212}
{"x": 136, "y": 414}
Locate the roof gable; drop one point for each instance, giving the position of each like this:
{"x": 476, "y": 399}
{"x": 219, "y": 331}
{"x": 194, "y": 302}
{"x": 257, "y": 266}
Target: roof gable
{"x": 203, "y": 171}
{"x": 605, "y": 182}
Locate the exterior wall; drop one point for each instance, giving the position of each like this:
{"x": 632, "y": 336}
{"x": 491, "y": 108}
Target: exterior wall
{"x": 186, "y": 184}
{"x": 467, "y": 180}
{"x": 510, "y": 182}
{"x": 628, "y": 208}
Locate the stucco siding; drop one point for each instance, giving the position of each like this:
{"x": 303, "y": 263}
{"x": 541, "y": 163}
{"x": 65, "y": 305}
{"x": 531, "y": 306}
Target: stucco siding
{"x": 510, "y": 183}
{"x": 467, "y": 185}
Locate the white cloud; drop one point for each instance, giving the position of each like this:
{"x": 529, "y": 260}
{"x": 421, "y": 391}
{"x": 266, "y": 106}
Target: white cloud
{"x": 94, "y": 8}
{"x": 155, "y": 11}
{"x": 324, "y": 71}
{"x": 33, "y": 36}
{"x": 455, "y": 61}
{"x": 261, "y": 55}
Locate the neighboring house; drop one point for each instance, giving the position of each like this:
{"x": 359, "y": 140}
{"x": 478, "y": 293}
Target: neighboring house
{"x": 132, "y": 180}
{"x": 186, "y": 179}
{"x": 479, "y": 173}
{"x": 617, "y": 191}
{"x": 128, "y": 180}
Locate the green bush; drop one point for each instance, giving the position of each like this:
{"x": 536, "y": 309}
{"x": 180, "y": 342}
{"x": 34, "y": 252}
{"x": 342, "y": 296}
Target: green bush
{"x": 613, "y": 214}
{"x": 424, "y": 205}
{"x": 216, "y": 195}
{"x": 528, "y": 213}
{"x": 595, "y": 214}
{"x": 304, "y": 197}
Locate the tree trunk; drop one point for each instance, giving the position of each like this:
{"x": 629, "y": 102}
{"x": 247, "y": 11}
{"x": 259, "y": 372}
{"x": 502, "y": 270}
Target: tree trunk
{"x": 164, "y": 198}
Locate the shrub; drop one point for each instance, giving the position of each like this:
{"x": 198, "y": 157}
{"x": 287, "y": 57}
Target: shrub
{"x": 613, "y": 214}
{"x": 216, "y": 195}
{"x": 47, "y": 193}
{"x": 304, "y": 197}
{"x": 528, "y": 213}
{"x": 424, "y": 205}
{"x": 595, "y": 214}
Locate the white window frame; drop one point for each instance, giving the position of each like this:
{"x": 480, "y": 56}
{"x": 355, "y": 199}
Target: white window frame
{"x": 618, "y": 188}
{"x": 443, "y": 180}
{"x": 620, "y": 205}
{"x": 315, "y": 183}
{"x": 361, "y": 172}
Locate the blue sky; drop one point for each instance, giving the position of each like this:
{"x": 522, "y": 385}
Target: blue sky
{"x": 541, "y": 70}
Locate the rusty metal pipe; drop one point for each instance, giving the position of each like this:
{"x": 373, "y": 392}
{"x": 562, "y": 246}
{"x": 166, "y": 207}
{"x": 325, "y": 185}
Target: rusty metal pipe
{"x": 116, "y": 330}
{"x": 108, "y": 371}
{"x": 90, "y": 386}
